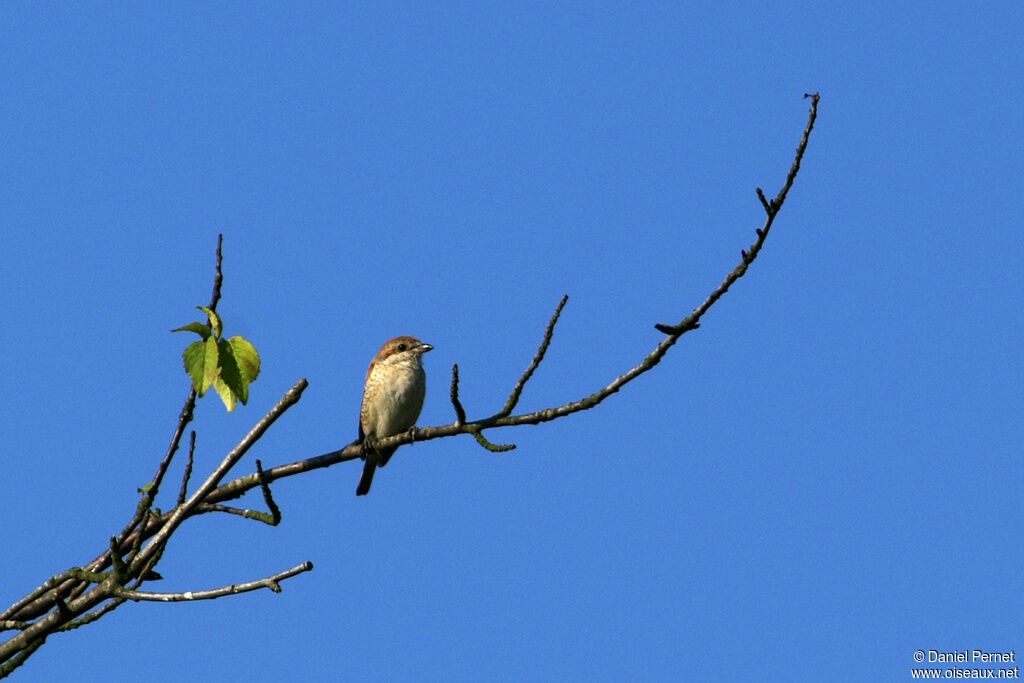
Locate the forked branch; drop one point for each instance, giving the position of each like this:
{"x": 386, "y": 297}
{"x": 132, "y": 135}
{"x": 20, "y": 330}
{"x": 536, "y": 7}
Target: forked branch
{"x": 503, "y": 418}
{"x": 83, "y": 594}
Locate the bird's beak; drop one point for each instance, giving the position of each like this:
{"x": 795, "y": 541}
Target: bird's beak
{"x": 425, "y": 347}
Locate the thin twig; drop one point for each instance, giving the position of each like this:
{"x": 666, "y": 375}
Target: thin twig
{"x": 690, "y": 321}
{"x": 188, "y": 409}
{"x": 268, "y": 498}
{"x": 92, "y": 616}
{"x": 246, "y": 513}
{"x": 117, "y": 561}
{"x": 492, "y": 447}
{"x": 460, "y": 412}
{"x": 513, "y": 398}
{"x": 271, "y": 582}
{"x": 183, "y": 491}
{"x": 218, "y": 274}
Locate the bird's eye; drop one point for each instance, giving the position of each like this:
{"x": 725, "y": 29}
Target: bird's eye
{"x": 402, "y": 347}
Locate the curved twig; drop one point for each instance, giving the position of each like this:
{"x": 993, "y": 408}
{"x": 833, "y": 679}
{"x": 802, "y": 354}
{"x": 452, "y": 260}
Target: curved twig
{"x": 271, "y": 582}
{"x": 517, "y": 390}
{"x": 460, "y": 412}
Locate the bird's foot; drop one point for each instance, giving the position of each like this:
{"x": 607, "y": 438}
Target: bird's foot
{"x": 366, "y": 448}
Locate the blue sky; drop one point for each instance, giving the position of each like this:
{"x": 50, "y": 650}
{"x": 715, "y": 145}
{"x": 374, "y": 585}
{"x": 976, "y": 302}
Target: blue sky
{"x": 823, "y": 479}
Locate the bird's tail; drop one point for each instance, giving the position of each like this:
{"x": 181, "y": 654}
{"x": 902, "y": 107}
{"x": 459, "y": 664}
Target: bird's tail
{"x": 369, "y": 467}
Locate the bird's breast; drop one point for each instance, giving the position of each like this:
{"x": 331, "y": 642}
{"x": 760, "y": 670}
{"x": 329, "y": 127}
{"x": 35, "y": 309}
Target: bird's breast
{"x": 392, "y": 400}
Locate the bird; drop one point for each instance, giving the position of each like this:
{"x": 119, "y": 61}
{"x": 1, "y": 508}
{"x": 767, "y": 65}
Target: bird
{"x": 392, "y": 400}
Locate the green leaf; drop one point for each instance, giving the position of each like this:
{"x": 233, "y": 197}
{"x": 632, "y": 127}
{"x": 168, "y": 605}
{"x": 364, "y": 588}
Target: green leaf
{"x": 227, "y": 365}
{"x": 230, "y": 374}
{"x": 238, "y": 366}
{"x": 229, "y": 397}
{"x": 214, "y": 320}
{"x": 197, "y": 327}
{"x": 247, "y": 358}
{"x": 194, "y": 359}
{"x": 211, "y": 371}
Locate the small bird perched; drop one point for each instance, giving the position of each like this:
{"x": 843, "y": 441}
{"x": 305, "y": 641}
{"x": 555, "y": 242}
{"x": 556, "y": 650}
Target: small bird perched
{"x": 392, "y": 400}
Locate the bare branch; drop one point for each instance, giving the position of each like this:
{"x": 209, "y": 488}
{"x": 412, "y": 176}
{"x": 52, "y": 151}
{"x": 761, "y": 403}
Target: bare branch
{"x": 73, "y": 593}
{"x": 492, "y": 447}
{"x": 31, "y": 637}
{"x": 268, "y": 498}
{"x": 246, "y": 513}
{"x": 187, "y": 409}
{"x": 513, "y": 398}
{"x": 183, "y": 491}
{"x": 768, "y": 209}
{"x": 70, "y": 589}
{"x": 274, "y": 517}
{"x": 17, "y": 660}
{"x": 62, "y": 607}
{"x": 120, "y": 571}
{"x": 218, "y": 274}
{"x": 82, "y": 595}
{"x": 147, "y": 557}
{"x": 92, "y": 616}
{"x": 37, "y": 593}
{"x": 178, "y": 515}
{"x": 772, "y": 208}
{"x": 460, "y": 412}
{"x": 239, "y": 486}
{"x": 271, "y": 582}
